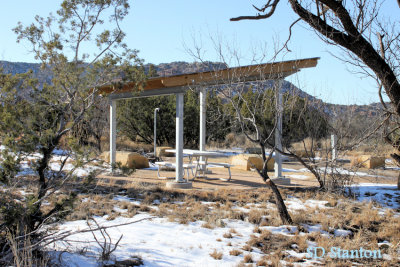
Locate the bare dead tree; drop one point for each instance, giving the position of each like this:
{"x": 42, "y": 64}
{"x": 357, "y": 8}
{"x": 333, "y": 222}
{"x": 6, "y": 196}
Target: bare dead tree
{"x": 366, "y": 35}
{"x": 233, "y": 89}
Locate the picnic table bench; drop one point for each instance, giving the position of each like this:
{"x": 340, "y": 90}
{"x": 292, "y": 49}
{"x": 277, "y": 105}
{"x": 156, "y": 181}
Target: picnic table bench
{"x": 222, "y": 164}
{"x": 201, "y": 160}
{"x": 170, "y": 165}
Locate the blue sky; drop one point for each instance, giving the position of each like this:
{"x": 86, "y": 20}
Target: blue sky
{"x": 160, "y": 29}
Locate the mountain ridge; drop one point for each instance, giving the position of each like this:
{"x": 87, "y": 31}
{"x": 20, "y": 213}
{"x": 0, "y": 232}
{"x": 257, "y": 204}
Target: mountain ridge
{"x": 182, "y": 67}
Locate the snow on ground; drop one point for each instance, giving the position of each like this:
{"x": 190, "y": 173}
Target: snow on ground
{"x": 84, "y": 171}
{"x": 385, "y": 194}
{"x": 57, "y": 158}
{"x": 343, "y": 172}
{"x": 342, "y": 232}
{"x": 291, "y": 170}
{"x": 294, "y": 203}
{"x": 160, "y": 242}
{"x": 282, "y": 229}
{"x": 152, "y": 167}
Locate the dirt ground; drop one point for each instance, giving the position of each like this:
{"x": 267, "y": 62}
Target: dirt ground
{"x": 243, "y": 180}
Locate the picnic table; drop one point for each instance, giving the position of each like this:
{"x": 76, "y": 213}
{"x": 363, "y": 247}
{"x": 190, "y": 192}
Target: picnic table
{"x": 200, "y": 159}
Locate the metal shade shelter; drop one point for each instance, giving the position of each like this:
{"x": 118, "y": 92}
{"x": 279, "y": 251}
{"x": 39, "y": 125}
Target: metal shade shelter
{"x": 178, "y": 84}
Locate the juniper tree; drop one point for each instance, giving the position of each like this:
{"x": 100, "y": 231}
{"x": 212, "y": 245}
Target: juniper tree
{"x": 82, "y": 48}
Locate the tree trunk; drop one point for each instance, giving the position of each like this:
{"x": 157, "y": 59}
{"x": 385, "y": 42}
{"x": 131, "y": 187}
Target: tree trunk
{"x": 398, "y": 182}
{"x": 396, "y": 158}
{"x": 282, "y": 210}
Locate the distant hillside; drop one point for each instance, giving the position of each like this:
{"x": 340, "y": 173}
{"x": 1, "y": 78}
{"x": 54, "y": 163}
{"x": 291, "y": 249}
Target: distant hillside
{"x": 22, "y": 67}
{"x": 367, "y": 111}
{"x": 19, "y": 67}
{"x": 180, "y": 67}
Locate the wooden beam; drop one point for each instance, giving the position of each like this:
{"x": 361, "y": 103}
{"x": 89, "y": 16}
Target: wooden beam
{"x": 230, "y": 75}
{"x": 263, "y": 71}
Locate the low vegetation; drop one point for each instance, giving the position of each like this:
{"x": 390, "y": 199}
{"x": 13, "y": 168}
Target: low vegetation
{"x": 364, "y": 225}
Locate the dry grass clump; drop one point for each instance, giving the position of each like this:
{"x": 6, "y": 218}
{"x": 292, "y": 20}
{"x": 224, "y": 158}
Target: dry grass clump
{"x": 208, "y": 225}
{"x": 390, "y": 231}
{"x": 113, "y": 216}
{"x": 216, "y": 255}
{"x": 340, "y": 217}
{"x": 272, "y": 219}
{"x": 247, "y": 258}
{"x": 264, "y": 262}
{"x": 362, "y": 239}
{"x": 270, "y": 260}
{"x": 268, "y": 242}
{"x": 300, "y": 217}
{"x": 233, "y": 231}
{"x": 301, "y": 242}
{"x": 150, "y": 198}
{"x": 359, "y": 240}
{"x": 255, "y": 216}
{"x": 237, "y": 215}
{"x": 368, "y": 218}
{"x": 124, "y": 205}
{"x": 189, "y": 212}
{"x": 144, "y": 208}
{"x": 95, "y": 205}
{"x": 142, "y": 190}
{"x": 235, "y": 252}
{"x": 247, "y": 247}
{"x": 227, "y": 235}
{"x": 257, "y": 230}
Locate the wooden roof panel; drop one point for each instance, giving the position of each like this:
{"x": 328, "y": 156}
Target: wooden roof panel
{"x": 240, "y": 74}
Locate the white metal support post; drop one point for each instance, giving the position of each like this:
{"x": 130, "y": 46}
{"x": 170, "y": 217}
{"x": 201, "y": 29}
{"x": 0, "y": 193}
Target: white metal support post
{"x": 278, "y": 130}
{"x": 203, "y": 114}
{"x": 179, "y": 138}
{"x": 155, "y": 131}
{"x": 113, "y": 132}
{"x": 333, "y": 145}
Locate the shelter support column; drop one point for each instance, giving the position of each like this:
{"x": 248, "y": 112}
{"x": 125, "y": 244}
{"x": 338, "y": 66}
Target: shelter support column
{"x": 203, "y": 114}
{"x": 278, "y": 130}
{"x": 179, "y": 137}
{"x": 113, "y": 131}
{"x": 334, "y": 146}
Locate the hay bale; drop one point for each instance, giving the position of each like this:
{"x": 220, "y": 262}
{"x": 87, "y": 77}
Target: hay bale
{"x": 271, "y": 164}
{"x": 128, "y": 159}
{"x": 160, "y": 151}
{"x": 246, "y": 162}
{"x": 368, "y": 161}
